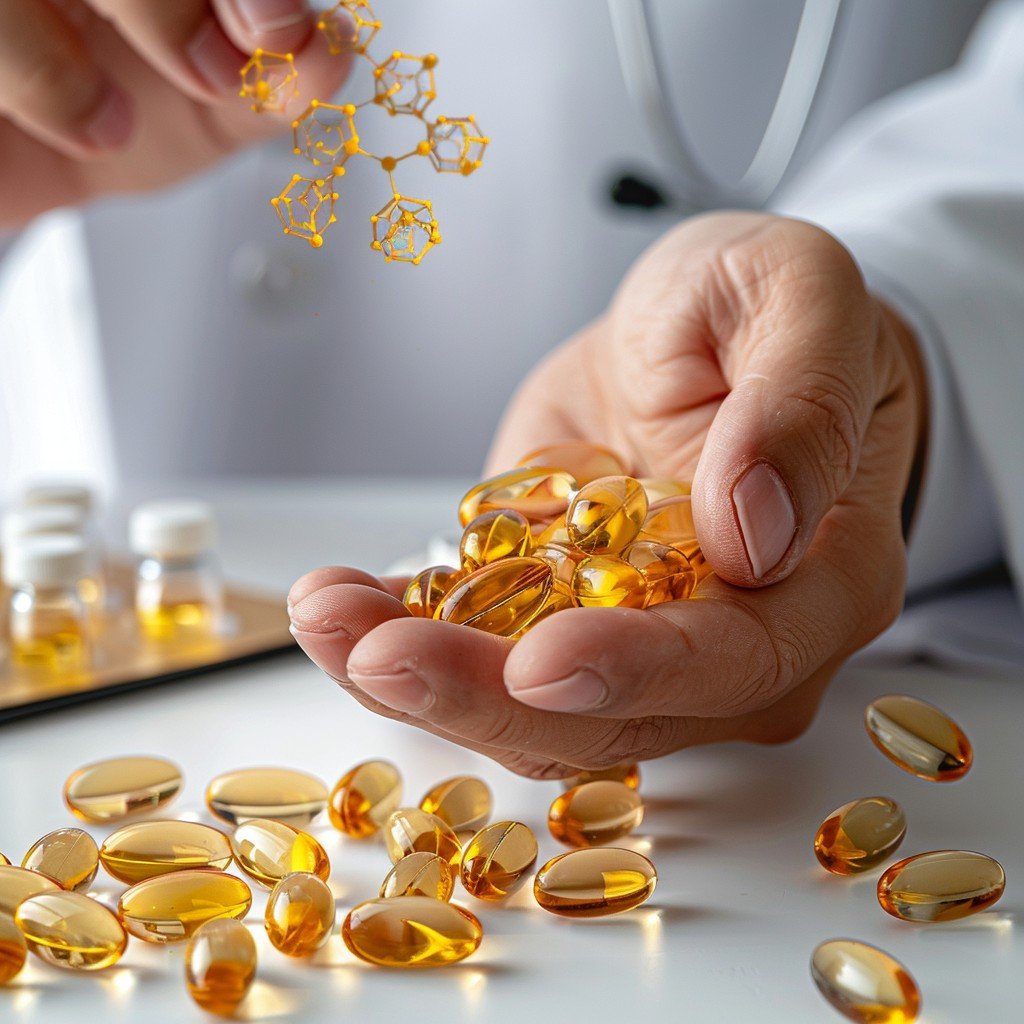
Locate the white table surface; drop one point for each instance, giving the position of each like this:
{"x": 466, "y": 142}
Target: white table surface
{"x": 740, "y": 903}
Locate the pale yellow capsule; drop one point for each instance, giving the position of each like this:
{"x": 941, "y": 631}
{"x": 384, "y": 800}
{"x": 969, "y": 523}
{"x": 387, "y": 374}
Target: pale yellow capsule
{"x": 147, "y": 848}
{"x": 865, "y": 984}
{"x": 498, "y": 860}
{"x": 595, "y": 813}
{"x": 283, "y": 794}
{"x": 464, "y": 803}
{"x": 69, "y": 856}
{"x": 919, "y": 738}
{"x": 410, "y": 830}
{"x": 12, "y": 949}
{"x": 860, "y": 835}
{"x": 943, "y": 885}
{"x": 364, "y": 798}
{"x": 502, "y": 598}
{"x": 538, "y": 493}
{"x": 67, "y": 929}
{"x": 17, "y": 884}
{"x": 628, "y": 774}
{"x": 605, "y": 515}
{"x": 121, "y": 786}
{"x": 419, "y": 874}
{"x": 581, "y": 459}
{"x": 220, "y": 965}
{"x": 300, "y": 914}
{"x": 594, "y": 882}
{"x": 268, "y": 850}
{"x": 500, "y": 533}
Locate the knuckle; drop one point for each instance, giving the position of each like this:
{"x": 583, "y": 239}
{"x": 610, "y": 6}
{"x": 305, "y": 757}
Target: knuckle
{"x": 832, "y": 414}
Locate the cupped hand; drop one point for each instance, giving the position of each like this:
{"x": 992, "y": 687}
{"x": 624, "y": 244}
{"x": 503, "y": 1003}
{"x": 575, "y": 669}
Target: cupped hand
{"x": 742, "y": 352}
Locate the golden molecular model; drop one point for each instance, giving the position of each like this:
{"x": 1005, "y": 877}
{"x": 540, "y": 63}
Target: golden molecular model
{"x": 404, "y": 229}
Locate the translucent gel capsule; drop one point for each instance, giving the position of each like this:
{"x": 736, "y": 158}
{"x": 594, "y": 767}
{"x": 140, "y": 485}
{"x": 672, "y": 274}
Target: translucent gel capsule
{"x": 670, "y": 521}
{"x": 941, "y": 886}
{"x": 627, "y": 774}
{"x": 282, "y": 794}
{"x": 69, "y": 856}
{"x": 918, "y": 738}
{"x": 463, "y": 803}
{"x": 220, "y": 965}
{"x": 606, "y": 515}
{"x": 147, "y": 848}
{"x": 500, "y": 533}
{"x": 604, "y": 581}
{"x": 67, "y": 929}
{"x": 364, "y": 798}
{"x": 419, "y": 874}
{"x": 595, "y": 813}
{"x": 666, "y": 571}
{"x": 114, "y": 789}
{"x": 498, "y": 860}
{"x": 581, "y": 459}
{"x": 860, "y": 835}
{"x": 657, "y": 489}
{"x": 502, "y": 598}
{"x": 410, "y": 830}
{"x": 594, "y": 883}
{"x": 411, "y": 931}
{"x": 171, "y": 907}
{"x": 12, "y": 949}
{"x": 554, "y": 547}
{"x": 268, "y": 850}
{"x": 865, "y": 984}
{"x": 300, "y": 914}
{"x": 427, "y": 589}
{"x": 17, "y": 884}
{"x": 538, "y": 493}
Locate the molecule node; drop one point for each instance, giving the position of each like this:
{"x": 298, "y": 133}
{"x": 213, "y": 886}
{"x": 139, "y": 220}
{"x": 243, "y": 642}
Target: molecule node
{"x": 269, "y": 80}
{"x": 405, "y": 229}
{"x": 326, "y": 134}
{"x": 456, "y": 145}
{"x": 349, "y": 26}
{"x": 306, "y": 208}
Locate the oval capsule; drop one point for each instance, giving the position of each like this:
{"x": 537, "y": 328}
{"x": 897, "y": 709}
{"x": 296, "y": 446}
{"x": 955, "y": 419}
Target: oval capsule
{"x": 410, "y": 830}
{"x": 605, "y": 515}
{"x": 268, "y": 850}
{"x": 667, "y": 572}
{"x": 595, "y": 882}
{"x": 67, "y": 929}
{"x": 582, "y": 460}
{"x": 220, "y": 965}
{"x": 502, "y": 598}
{"x": 498, "y": 860}
{"x": 670, "y": 521}
{"x": 68, "y": 855}
{"x": 300, "y": 914}
{"x": 121, "y": 786}
{"x": 411, "y": 931}
{"x": 17, "y": 884}
{"x": 148, "y": 848}
{"x": 860, "y": 835}
{"x": 658, "y": 488}
{"x": 627, "y": 774}
{"x": 943, "y": 885}
{"x": 595, "y": 813}
{"x": 500, "y": 533}
{"x": 364, "y": 798}
{"x": 419, "y": 874}
{"x": 604, "y": 581}
{"x": 865, "y": 984}
{"x": 919, "y": 738}
{"x": 427, "y": 589}
{"x": 283, "y": 794}
{"x": 554, "y": 547}
{"x": 464, "y": 803}
{"x": 171, "y": 907}
{"x": 12, "y": 949}
{"x": 538, "y": 493}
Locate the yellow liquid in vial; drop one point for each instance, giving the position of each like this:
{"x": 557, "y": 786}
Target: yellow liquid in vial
{"x": 64, "y": 651}
{"x": 186, "y": 619}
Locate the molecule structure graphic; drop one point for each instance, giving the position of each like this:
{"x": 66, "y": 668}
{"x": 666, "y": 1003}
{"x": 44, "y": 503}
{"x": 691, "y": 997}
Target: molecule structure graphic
{"x": 327, "y": 136}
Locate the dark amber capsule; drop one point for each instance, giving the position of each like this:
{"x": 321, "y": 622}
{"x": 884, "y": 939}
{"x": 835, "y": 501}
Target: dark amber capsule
{"x": 864, "y": 984}
{"x": 595, "y": 813}
{"x": 941, "y": 886}
{"x": 69, "y": 856}
{"x": 498, "y": 859}
{"x": 364, "y": 798}
{"x": 604, "y": 581}
{"x": 628, "y": 774}
{"x": 67, "y": 929}
{"x": 410, "y": 830}
{"x": 12, "y": 949}
{"x": 581, "y": 459}
{"x": 606, "y": 515}
{"x": 282, "y": 794}
{"x": 502, "y": 598}
{"x": 220, "y": 965}
{"x": 500, "y": 533}
{"x": 419, "y": 874}
{"x": 919, "y": 738}
{"x": 427, "y": 589}
{"x": 147, "y": 848}
{"x": 860, "y": 835}
{"x": 17, "y": 884}
{"x": 268, "y": 850}
{"x": 594, "y": 883}
{"x": 666, "y": 571}
{"x": 539, "y": 493}
{"x": 113, "y": 789}
{"x": 463, "y": 803}
{"x": 300, "y": 914}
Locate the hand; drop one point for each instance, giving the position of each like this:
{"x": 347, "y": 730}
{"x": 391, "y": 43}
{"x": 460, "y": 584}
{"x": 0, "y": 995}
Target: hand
{"x": 108, "y": 96}
{"x": 743, "y": 352}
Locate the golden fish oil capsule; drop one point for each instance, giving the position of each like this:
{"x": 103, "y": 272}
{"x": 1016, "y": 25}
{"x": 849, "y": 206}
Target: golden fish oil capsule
{"x": 282, "y": 794}
{"x": 148, "y": 848}
{"x": 411, "y": 931}
{"x": 498, "y": 860}
{"x": 419, "y": 874}
{"x": 364, "y": 798}
{"x": 941, "y": 886}
{"x": 69, "y": 856}
{"x": 17, "y": 884}
{"x": 554, "y": 547}
{"x": 865, "y": 984}
{"x": 300, "y": 914}
{"x": 268, "y": 850}
{"x": 658, "y": 488}
{"x": 580, "y": 459}
{"x": 121, "y": 786}
{"x": 860, "y": 835}
{"x": 918, "y": 738}
{"x": 595, "y": 813}
{"x": 670, "y": 521}
{"x": 500, "y": 533}
{"x": 12, "y": 949}
{"x": 427, "y": 589}
{"x": 604, "y": 581}
{"x": 502, "y": 598}
{"x": 538, "y": 493}
{"x": 627, "y": 774}
{"x": 220, "y": 965}
{"x": 67, "y": 929}
{"x": 606, "y": 515}
{"x": 410, "y": 830}
{"x": 666, "y": 571}
{"x": 171, "y": 907}
{"x": 463, "y": 803}
{"x": 594, "y": 883}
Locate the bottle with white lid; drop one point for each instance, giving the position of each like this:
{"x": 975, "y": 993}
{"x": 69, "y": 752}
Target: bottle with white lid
{"x": 178, "y": 589}
{"x": 61, "y": 492}
{"x": 48, "y": 621}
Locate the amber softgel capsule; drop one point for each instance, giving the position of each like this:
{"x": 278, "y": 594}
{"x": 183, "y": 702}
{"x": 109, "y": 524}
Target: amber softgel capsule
{"x": 411, "y": 830}
{"x": 865, "y": 984}
{"x": 606, "y": 515}
{"x": 419, "y": 874}
{"x": 121, "y": 786}
{"x": 942, "y": 885}
{"x": 364, "y": 798}
{"x": 860, "y": 835}
{"x": 300, "y": 914}
{"x": 919, "y": 738}
{"x": 502, "y": 598}
{"x": 464, "y": 803}
{"x": 12, "y": 949}
{"x": 268, "y": 850}
{"x": 68, "y": 855}
{"x": 540, "y": 494}
{"x": 67, "y": 929}
{"x": 498, "y": 860}
{"x": 580, "y": 459}
{"x": 147, "y": 848}
{"x": 428, "y": 588}
{"x": 17, "y": 884}
{"x": 491, "y": 536}
{"x": 282, "y": 794}
{"x": 628, "y": 774}
{"x": 594, "y": 882}
{"x": 595, "y": 813}
{"x": 220, "y": 965}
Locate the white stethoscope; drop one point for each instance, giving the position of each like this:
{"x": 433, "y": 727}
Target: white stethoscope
{"x": 696, "y": 188}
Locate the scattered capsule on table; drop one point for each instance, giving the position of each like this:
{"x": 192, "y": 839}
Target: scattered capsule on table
{"x": 658, "y": 488}
{"x": 605, "y": 581}
{"x": 17, "y": 884}
{"x": 860, "y": 835}
{"x": 538, "y": 493}
{"x": 464, "y": 803}
{"x": 605, "y": 515}
{"x": 500, "y": 533}
{"x": 943, "y": 885}
{"x": 667, "y": 572}
{"x": 300, "y": 914}
{"x": 410, "y": 830}
{"x": 283, "y": 794}
{"x": 148, "y": 848}
{"x": 583, "y": 460}
{"x": 864, "y": 984}
{"x": 427, "y": 589}
{"x": 67, "y": 929}
{"x": 268, "y": 850}
{"x": 364, "y": 798}
{"x": 419, "y": 874}
{"x": 627, "y": 774}
{"x": 12, "y": 949}
{"x": 919, "y": 738}
{"x": 171, "y": 907}
{"x": 121, "y": 786}
{"x": 411, "y": 931}
{"x": 498, "y": 860}
{"x": 594, "y": 882}
{"x": 595, "y": 813}
{"x": 502, "y": 598}
{"x": 68, "y": 855}
{"x": 220, "y": 965}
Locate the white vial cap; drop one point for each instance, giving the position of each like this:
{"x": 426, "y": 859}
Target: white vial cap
{"x": 172, "y": 529}
{"x": 60, "y": 492}
{"x": 33, "y": 520}
{"x": 52, "y": 560}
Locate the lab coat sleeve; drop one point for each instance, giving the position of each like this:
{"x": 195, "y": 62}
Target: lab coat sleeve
{"x": 927, "y": 190}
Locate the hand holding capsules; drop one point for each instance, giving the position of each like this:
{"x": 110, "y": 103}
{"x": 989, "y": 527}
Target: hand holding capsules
{"x": 744, "y": 352}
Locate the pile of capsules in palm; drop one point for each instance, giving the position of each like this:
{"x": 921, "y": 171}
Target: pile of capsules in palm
{"x": 568, "y": 527}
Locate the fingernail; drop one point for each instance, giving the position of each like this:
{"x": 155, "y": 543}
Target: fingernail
{"x": 314, "y": 615}
{"x": 110, "y": 127}
{"x": 579, "y": 692}
{"x": 216, "y": 60}
{"x": 271, "y": 15}
{"x": 766, "y": 518}
{"x": 401, "y": 690}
